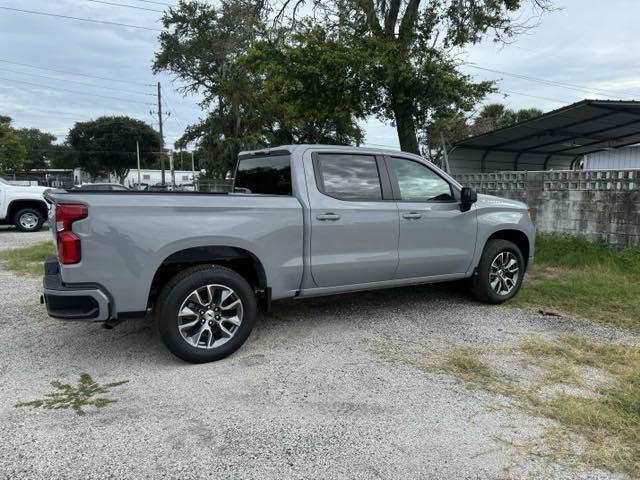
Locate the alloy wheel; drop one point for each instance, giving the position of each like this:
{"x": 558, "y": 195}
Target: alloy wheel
{"x": 504, "y": 273}
{"x": 210, "y": 316}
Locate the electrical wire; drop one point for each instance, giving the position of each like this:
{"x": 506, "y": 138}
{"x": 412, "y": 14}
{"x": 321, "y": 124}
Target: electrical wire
{"x": 126, "y": 6}
{"x": 78, "y": 74}
{"x": 76, "y": 82}
{"x": 156, "y": 3}
{"x": 172, "y": 110}
{"x": 556, "y": 100}
{"x": 76, "y": 92}
{"x": 569, "y": 86}
{"x": 68, "y": 17}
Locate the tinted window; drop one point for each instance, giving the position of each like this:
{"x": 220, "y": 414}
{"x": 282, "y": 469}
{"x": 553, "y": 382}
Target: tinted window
{"x": 419, "y": 183}
{"x": 349, "y": 177}
{"x": 270, "y": 175}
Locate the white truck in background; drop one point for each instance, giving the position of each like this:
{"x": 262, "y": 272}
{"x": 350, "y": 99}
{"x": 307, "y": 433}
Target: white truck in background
{"x": 23, "y": 207}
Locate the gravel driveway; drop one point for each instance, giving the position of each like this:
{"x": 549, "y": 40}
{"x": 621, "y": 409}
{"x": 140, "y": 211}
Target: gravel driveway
{"x": 306, "y": 397}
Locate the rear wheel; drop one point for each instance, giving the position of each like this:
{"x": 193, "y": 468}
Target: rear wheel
{"x": 205, "y": 313}
{"x": 500, "y": 272}
{"x": 28, "y": 220}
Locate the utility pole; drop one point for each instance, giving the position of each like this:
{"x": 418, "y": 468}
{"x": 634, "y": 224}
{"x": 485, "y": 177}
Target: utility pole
{"x": 193, "y": 172}
{"x": 138, "y": 157}
{"x": 446, "y": 155}
{"x": 161, "y": 135}
{"x": 173, "y": 171}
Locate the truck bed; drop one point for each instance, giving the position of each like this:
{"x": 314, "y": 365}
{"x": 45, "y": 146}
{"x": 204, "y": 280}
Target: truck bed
{"x": 128, "y": 235}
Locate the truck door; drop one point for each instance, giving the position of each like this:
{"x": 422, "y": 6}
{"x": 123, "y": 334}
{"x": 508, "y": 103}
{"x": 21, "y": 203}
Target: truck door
{"x": 436, "y": 238}
{"x": 354, "y": 220}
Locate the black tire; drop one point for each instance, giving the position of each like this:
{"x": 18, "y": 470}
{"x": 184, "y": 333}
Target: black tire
{"x": 481, "y": 287}
{"x": 19, "y": 219}
{"x": 176, "y": 291}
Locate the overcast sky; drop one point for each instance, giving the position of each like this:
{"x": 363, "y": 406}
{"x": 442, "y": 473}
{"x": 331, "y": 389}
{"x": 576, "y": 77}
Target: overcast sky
{"x": 587, "y": 49}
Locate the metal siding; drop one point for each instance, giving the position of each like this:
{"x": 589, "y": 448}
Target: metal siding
{"x": 614, "y": 159}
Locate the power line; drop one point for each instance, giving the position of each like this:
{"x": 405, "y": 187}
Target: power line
{"x": 79, "y": 74}
{"x": 76, "y": 82}
{"x": 569, "y": 86}
{"x": 156, "y": 3}
{"x": 91, "y": 20}
{"x": 538, "y": 97}
{"x": 76, "y": 92}
{"x": 175, "y": 116}
{"x": 126, "y": 6}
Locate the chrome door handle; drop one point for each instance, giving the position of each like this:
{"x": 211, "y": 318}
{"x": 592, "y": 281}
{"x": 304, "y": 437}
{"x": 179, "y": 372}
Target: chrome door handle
{"x": 411, "y": 215}
{"x": 328, "y": 216}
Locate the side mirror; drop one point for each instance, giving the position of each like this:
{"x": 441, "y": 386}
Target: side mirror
{"x": 468, "y": 196}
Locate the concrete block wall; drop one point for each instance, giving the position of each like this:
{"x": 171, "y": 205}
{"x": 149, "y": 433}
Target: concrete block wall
{"x": 600, "y": 204}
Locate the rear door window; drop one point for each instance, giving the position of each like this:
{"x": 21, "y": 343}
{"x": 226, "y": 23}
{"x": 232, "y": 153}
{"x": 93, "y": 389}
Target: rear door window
{"x": 348, "y": 177}
{"x": 267, "y": 175}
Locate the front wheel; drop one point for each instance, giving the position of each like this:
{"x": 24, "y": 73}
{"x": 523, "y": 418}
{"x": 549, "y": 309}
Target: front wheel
{"x": 500, "y": 272}
{"x": 205, "y": 313}
{"x": 28, "y": 220}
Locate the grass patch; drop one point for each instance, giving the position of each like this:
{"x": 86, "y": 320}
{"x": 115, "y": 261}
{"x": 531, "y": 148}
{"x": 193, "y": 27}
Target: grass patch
{"x": 76, "y": 398}
{"x": 589, "y": 389}
{"x": 590, "y": 279}
{"x": 28, "y": 259}
{"x": 468, "y": 366}
{"x": 610, "y": 420}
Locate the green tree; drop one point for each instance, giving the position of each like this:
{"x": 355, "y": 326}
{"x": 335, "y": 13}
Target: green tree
{"x": 108, "y": 145}
{"x": 39, "y": 146}
{"x": 63, "y": 156}
{"x": 311, "y": 91}
{"x": 497, "y": 115}
{"x": 400, "y": 57}
{"x": 261, "y": 86}
{"x": 444, "y": 131}
{"x": 201, "y": 45}
{"x": 12, "y": 152}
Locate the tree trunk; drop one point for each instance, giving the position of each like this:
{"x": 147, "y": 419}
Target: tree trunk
{"x": 406, "y": 128}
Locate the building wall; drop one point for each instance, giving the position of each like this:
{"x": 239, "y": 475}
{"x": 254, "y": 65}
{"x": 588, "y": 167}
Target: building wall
{"x": 598, "y": 204}
{"x": 150, "y": 177}
{"x": 622, "y": 158}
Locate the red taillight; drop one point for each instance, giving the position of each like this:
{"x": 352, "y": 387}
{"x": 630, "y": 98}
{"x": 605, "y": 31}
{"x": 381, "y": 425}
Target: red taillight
{"x": 69, "y": 250}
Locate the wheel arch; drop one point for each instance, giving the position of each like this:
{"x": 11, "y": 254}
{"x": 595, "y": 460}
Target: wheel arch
{"x": 16, "y": 205}
{"x": 518, "y": 237}
{"x": 238, "y": 259}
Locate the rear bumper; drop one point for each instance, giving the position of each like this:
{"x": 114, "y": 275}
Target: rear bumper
{"x": 72, "y": 303}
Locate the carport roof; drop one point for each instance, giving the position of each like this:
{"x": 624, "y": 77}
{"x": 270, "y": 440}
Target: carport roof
{"x": 584, "y": 127}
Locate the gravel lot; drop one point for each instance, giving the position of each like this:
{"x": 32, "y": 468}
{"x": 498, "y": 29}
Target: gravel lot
{"x": 306, "y": 397}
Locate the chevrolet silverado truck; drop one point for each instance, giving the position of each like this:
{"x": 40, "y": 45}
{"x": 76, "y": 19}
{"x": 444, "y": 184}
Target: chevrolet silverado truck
{"x": 302, "y": 221}
{"x": 23, "y": 207}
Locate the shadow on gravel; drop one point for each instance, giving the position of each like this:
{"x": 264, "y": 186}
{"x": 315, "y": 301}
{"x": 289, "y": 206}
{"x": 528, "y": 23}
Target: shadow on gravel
{"x": 136, "y": 340}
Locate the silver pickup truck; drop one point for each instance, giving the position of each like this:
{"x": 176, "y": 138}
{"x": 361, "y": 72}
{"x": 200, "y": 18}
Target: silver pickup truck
{"x": 304, "y": 220}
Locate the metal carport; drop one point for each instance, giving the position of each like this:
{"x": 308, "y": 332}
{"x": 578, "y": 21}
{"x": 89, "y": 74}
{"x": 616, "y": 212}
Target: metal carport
{"x": 555, "y": 140}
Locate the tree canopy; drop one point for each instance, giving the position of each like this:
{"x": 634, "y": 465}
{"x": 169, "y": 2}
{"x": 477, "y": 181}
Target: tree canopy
{"x": 261, "y": 85}
{"x": 451, "y": 129}
{"x": 108, "y": 145}
{"x": 269, "y": 74}
{"x": 13, "y": 154}
{"x": 42, "y": 152}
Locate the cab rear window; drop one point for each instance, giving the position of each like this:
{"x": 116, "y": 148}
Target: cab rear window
{"x": 267, "y": 175}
